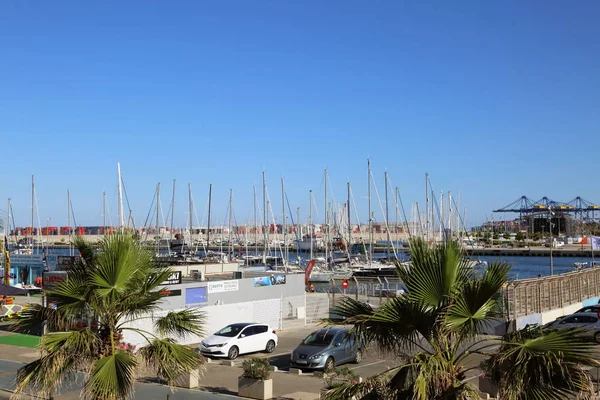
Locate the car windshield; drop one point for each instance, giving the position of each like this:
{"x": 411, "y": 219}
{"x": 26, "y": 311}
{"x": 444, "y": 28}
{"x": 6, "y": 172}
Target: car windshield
{"x": 231, "y": 330}
{"x": 320, "y": 338}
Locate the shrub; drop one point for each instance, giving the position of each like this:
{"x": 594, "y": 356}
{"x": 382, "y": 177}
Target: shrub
{"x": 339, "y": 376}
{"x": 256, "y": 368}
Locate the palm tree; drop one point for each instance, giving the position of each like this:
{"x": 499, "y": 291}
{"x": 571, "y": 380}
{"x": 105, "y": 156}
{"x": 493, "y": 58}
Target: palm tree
{"x": 435, "y": 330}
{"x": 105, "y": 292}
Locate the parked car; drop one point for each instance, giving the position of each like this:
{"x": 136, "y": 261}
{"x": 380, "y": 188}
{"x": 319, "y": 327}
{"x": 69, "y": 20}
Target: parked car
{"x": 587, "y": 321}
{"x": 242, "y": 338}
{"x": 326, "y": 348}
{"x": 594, "y": 308}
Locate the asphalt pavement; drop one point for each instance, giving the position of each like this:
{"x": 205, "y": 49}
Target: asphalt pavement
{"x": 373, "y": 362}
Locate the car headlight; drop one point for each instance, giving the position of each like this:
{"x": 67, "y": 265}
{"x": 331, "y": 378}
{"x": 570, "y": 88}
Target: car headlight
{"x": 203, "y": 344}
{"x": 315, "y": 356}
{"x": 220, "y": 345}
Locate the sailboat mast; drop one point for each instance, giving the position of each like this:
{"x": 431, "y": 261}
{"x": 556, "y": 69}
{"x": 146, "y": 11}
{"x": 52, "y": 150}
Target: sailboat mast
{"x": 284, "y": 225}
{"x": 326, "y": 224}
{"x": 310, "y": 222}
{"x": 172, "y": 211}
{"x": 387, "y": 216}
{"x": 370, "y": 216}
{"x": 396, "y": 206}
{"x": 120, "y": 198}
{"x": 442, "y": 216}
{"x": 426, "y": 206}
{"x": 69, "y": 220}
{"x": 104, "y": 212}
{"x": 255, "y": 221}
{"x": 191, "y": 207}
{"x": 450, "y": 218}
{"x": 32, "y": 205}
{"x": 209, "y": 203}
{"x": 265, "y": 231}
{"x": 157, "y": 218}
{"x": 349, "y": 224}
{"x": 230, "y": 244}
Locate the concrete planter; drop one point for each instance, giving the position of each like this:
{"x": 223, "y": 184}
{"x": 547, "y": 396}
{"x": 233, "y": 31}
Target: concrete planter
{"x": 255, "y": 388}
{"x": 486, "y": 386}
{"x": 188, "y": 380}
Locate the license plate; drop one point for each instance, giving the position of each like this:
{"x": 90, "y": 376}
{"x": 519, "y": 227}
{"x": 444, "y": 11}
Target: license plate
{"x": 301, "y": 362}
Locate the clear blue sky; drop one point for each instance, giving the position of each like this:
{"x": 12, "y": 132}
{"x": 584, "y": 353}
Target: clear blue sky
{"x": 499, "y": 99}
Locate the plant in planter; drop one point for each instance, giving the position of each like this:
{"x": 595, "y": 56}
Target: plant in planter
{"x": 255, "y": 382}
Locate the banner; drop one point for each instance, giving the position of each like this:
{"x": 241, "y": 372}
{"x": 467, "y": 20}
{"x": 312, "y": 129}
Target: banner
{"x": 269, "y": 280}
{"x": 595, "y": 242}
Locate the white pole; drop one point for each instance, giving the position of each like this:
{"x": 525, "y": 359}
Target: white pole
{"x": 120, "y": 198}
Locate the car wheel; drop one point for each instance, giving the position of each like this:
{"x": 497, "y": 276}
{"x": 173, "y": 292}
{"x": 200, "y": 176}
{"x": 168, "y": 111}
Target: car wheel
{"x": 329, "y": 364}
{"x": 597, "y": 337}
{"x": 358, "y": 357}
{"x": 270, "y": 346}
{"x": 233, "y": 353}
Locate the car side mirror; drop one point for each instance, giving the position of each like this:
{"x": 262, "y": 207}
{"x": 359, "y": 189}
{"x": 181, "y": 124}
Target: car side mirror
{"x": 338, "y": 344}
{"x": 242, "y": 335}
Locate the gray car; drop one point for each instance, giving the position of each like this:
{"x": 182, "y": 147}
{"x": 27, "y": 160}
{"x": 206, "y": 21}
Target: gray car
{"x": 326, "y": 348}
{"x": 587, "y": 321}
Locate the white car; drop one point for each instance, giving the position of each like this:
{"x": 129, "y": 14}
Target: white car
{"x": 236, "y": 339}
{"x": 588, "y": 322}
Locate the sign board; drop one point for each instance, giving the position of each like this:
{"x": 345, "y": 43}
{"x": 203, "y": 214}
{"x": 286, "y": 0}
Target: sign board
{"x": 64, "y": 263}
{"x": 223, "y": 286}
{"x": 171, "y": 293}
{"x": 34, "y": 261}
{"x": 195, "y": 297}
{"x": 173, "y": 279}
{"x": 272, "y": 280}
{"x": 50, "y": 280}
{"x": 345, "y": 283}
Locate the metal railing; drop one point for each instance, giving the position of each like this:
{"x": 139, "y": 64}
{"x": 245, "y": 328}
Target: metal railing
{"x": 537, "y": 295}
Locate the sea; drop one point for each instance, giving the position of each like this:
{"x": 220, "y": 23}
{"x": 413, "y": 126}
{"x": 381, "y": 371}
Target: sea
{"x": 522, "y": 267}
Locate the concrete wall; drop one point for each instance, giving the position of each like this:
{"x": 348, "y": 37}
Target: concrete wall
{"x": 294, "y": 287}
{"x": 217, "y": 317}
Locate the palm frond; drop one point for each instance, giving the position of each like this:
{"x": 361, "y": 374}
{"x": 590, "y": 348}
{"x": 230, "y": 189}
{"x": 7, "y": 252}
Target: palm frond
{"x": 169, "y": 360}
{"x": 46, "y": 373}
{"x": 181, "y": 323}
{"x": 83, "y": 343}
{"x": 112, "y": 377}
{"x": 35, "y": 315}
{"x": 536, "y": 363}
{"x": 86, "y": 250}
{"x": 475, "y": 303}
{"x": 434, "y": 272}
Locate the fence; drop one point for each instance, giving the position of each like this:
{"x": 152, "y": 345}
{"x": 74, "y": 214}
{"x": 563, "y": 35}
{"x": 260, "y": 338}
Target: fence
{"x": 538, "y": 295}
{"x": 297, "y": 311}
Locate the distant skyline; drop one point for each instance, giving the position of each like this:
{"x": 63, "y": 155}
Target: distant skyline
{"x": 497, "y": 99}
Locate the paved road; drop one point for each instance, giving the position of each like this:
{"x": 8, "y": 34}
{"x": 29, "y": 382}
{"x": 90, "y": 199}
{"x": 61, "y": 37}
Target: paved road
{"x": 70, "y": 391}
{"x": 373, "y": 363}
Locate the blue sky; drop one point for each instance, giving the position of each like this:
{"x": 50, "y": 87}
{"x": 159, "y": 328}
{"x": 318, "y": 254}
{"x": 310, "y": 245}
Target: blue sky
{"x": 499, "y": 99}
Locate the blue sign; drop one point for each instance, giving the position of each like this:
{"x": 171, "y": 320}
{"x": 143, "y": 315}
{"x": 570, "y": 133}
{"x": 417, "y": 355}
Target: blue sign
{"x": 195, "y": 297}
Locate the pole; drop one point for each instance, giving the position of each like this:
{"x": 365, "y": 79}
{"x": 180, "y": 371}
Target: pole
{"x": 370, "y": 217}
{"x": 265, "y": 232}
{"x": 387, "y": 217}
{"x": 255, "y": 222}
{"x": 310, "y": 222}
{"x": 349, "y": 225}
{"x": 120, "y": 199}
{"x": 209, "y": 204}
{"x": 326, "y": 224}
{"x": 283, "y": 226}
{"x": 158, "y": 218}
{"x": 230, "y": 223}
{"x": 191, "y": 206}
{"x": 69, "y": 220}
{"x": 426, "y": 206}
{"x": 172, "y": 211}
